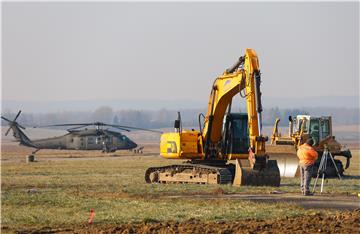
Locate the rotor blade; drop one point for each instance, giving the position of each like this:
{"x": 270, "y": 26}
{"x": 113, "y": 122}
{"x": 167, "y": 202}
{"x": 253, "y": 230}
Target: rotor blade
{"x": 76, "y": 128}
{"x": 17, "y": 115}
{"x": 125, "y": 128}
{"x": 7, "y": 132}
{"x": 13, "y": 122}
{"x": 6, "y": 119}
{"x": 120, "y": 128}
{"x": 20, "y": 126}
{"x": 128, "y": 127}
{"x": 60, "y": 125}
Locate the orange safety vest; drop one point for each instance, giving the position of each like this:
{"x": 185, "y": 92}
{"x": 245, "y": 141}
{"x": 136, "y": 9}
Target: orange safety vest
{"x": 306, "y": 154}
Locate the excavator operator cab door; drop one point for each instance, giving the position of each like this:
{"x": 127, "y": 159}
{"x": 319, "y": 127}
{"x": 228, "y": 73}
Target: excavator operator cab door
{"x": 235, "y": 134}
{"x": 320, "y": 128}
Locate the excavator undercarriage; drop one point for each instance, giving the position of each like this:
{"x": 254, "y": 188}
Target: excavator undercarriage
{"x": 190, "y": 173}
{"x": 220, "y": 172}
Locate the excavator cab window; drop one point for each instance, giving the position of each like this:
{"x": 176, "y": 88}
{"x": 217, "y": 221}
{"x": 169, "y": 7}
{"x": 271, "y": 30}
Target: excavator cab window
{"x": 325, "y": 128}
{"x": 300, "y": 122}
{"x": 314, "y": 130}
{"x": 237, "y": 133}
{"x": 299, "y": 126}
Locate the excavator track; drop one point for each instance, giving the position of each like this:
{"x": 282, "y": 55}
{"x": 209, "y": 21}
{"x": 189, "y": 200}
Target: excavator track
{"x": 239, "y": 174}
{"x": 189, "y": 173}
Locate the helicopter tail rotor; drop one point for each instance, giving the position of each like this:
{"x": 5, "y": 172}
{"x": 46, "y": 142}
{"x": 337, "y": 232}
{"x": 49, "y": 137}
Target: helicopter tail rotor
{"x": 12, "y": 123}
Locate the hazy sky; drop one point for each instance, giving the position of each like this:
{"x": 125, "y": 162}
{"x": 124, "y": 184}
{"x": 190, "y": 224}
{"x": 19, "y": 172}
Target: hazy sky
{"x": 68, "y": 51}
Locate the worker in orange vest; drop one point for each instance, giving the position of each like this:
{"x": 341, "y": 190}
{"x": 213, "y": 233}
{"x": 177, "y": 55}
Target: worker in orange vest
{"x": 307, "y": 157}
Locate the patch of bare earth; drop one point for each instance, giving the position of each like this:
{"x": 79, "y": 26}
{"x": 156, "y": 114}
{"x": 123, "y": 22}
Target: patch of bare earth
{"x": 343, "y": 222}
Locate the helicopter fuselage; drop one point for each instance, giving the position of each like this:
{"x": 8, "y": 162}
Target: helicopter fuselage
{"x": 88, "y": 139}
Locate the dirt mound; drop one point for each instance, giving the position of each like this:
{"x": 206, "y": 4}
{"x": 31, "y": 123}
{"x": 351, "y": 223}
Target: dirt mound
{"x": 345, "y": 222}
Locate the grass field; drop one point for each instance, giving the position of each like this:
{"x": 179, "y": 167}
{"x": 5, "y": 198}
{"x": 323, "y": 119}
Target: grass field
{"x": 59, "y": 191}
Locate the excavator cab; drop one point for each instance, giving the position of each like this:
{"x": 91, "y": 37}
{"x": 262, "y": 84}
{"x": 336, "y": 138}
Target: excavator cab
{"x": 235, "y": 134}
{"x": 318, "y": 128}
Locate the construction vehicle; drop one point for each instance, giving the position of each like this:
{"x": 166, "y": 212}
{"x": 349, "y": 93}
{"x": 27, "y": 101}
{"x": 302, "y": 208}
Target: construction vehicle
{"x": 223, "y": 136}
{"x": 301, "y": 128}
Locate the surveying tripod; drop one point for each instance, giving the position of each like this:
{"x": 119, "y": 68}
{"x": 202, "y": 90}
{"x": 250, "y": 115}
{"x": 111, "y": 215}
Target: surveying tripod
{"x": 322, "y": 168}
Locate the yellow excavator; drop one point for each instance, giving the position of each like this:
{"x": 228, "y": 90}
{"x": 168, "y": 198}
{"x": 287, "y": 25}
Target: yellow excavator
{"x": 224, "y": 136}
{"x": 302, "y": 127}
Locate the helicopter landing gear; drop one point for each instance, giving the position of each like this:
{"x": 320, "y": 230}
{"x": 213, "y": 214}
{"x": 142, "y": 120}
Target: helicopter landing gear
{"x": 108, "y": 149}
{"x": 139, "y": 150}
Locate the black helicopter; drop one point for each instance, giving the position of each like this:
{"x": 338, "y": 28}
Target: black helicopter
{"x": 78, "y": 138}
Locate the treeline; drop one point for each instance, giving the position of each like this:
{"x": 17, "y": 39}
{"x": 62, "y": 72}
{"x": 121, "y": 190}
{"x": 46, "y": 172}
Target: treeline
{"x": 164, "y": 118}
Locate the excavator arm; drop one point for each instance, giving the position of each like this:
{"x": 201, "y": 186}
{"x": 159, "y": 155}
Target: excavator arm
{"x": 243, "y": 76}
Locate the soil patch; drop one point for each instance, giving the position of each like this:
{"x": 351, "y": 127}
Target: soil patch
{"x": 344, "y": 222}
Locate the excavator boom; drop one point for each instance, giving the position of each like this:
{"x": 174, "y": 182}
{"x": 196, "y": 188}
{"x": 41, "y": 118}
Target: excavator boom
{"x": 224, "y": 89}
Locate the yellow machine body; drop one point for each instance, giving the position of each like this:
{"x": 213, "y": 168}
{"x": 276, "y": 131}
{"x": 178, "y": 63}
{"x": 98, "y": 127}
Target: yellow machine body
{"x": 184, "y": 145}
{"x": 187, "y": 145}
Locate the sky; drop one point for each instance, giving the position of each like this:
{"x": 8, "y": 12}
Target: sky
{"x": 57, "y": 52}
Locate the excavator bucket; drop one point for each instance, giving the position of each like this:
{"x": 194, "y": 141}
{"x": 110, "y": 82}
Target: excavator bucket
{"x": 286, "y": 158}
{"x": 246, "y": 175}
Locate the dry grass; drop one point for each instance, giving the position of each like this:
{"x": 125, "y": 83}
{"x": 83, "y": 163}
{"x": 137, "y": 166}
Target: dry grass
{"x": 58, "y": 191}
